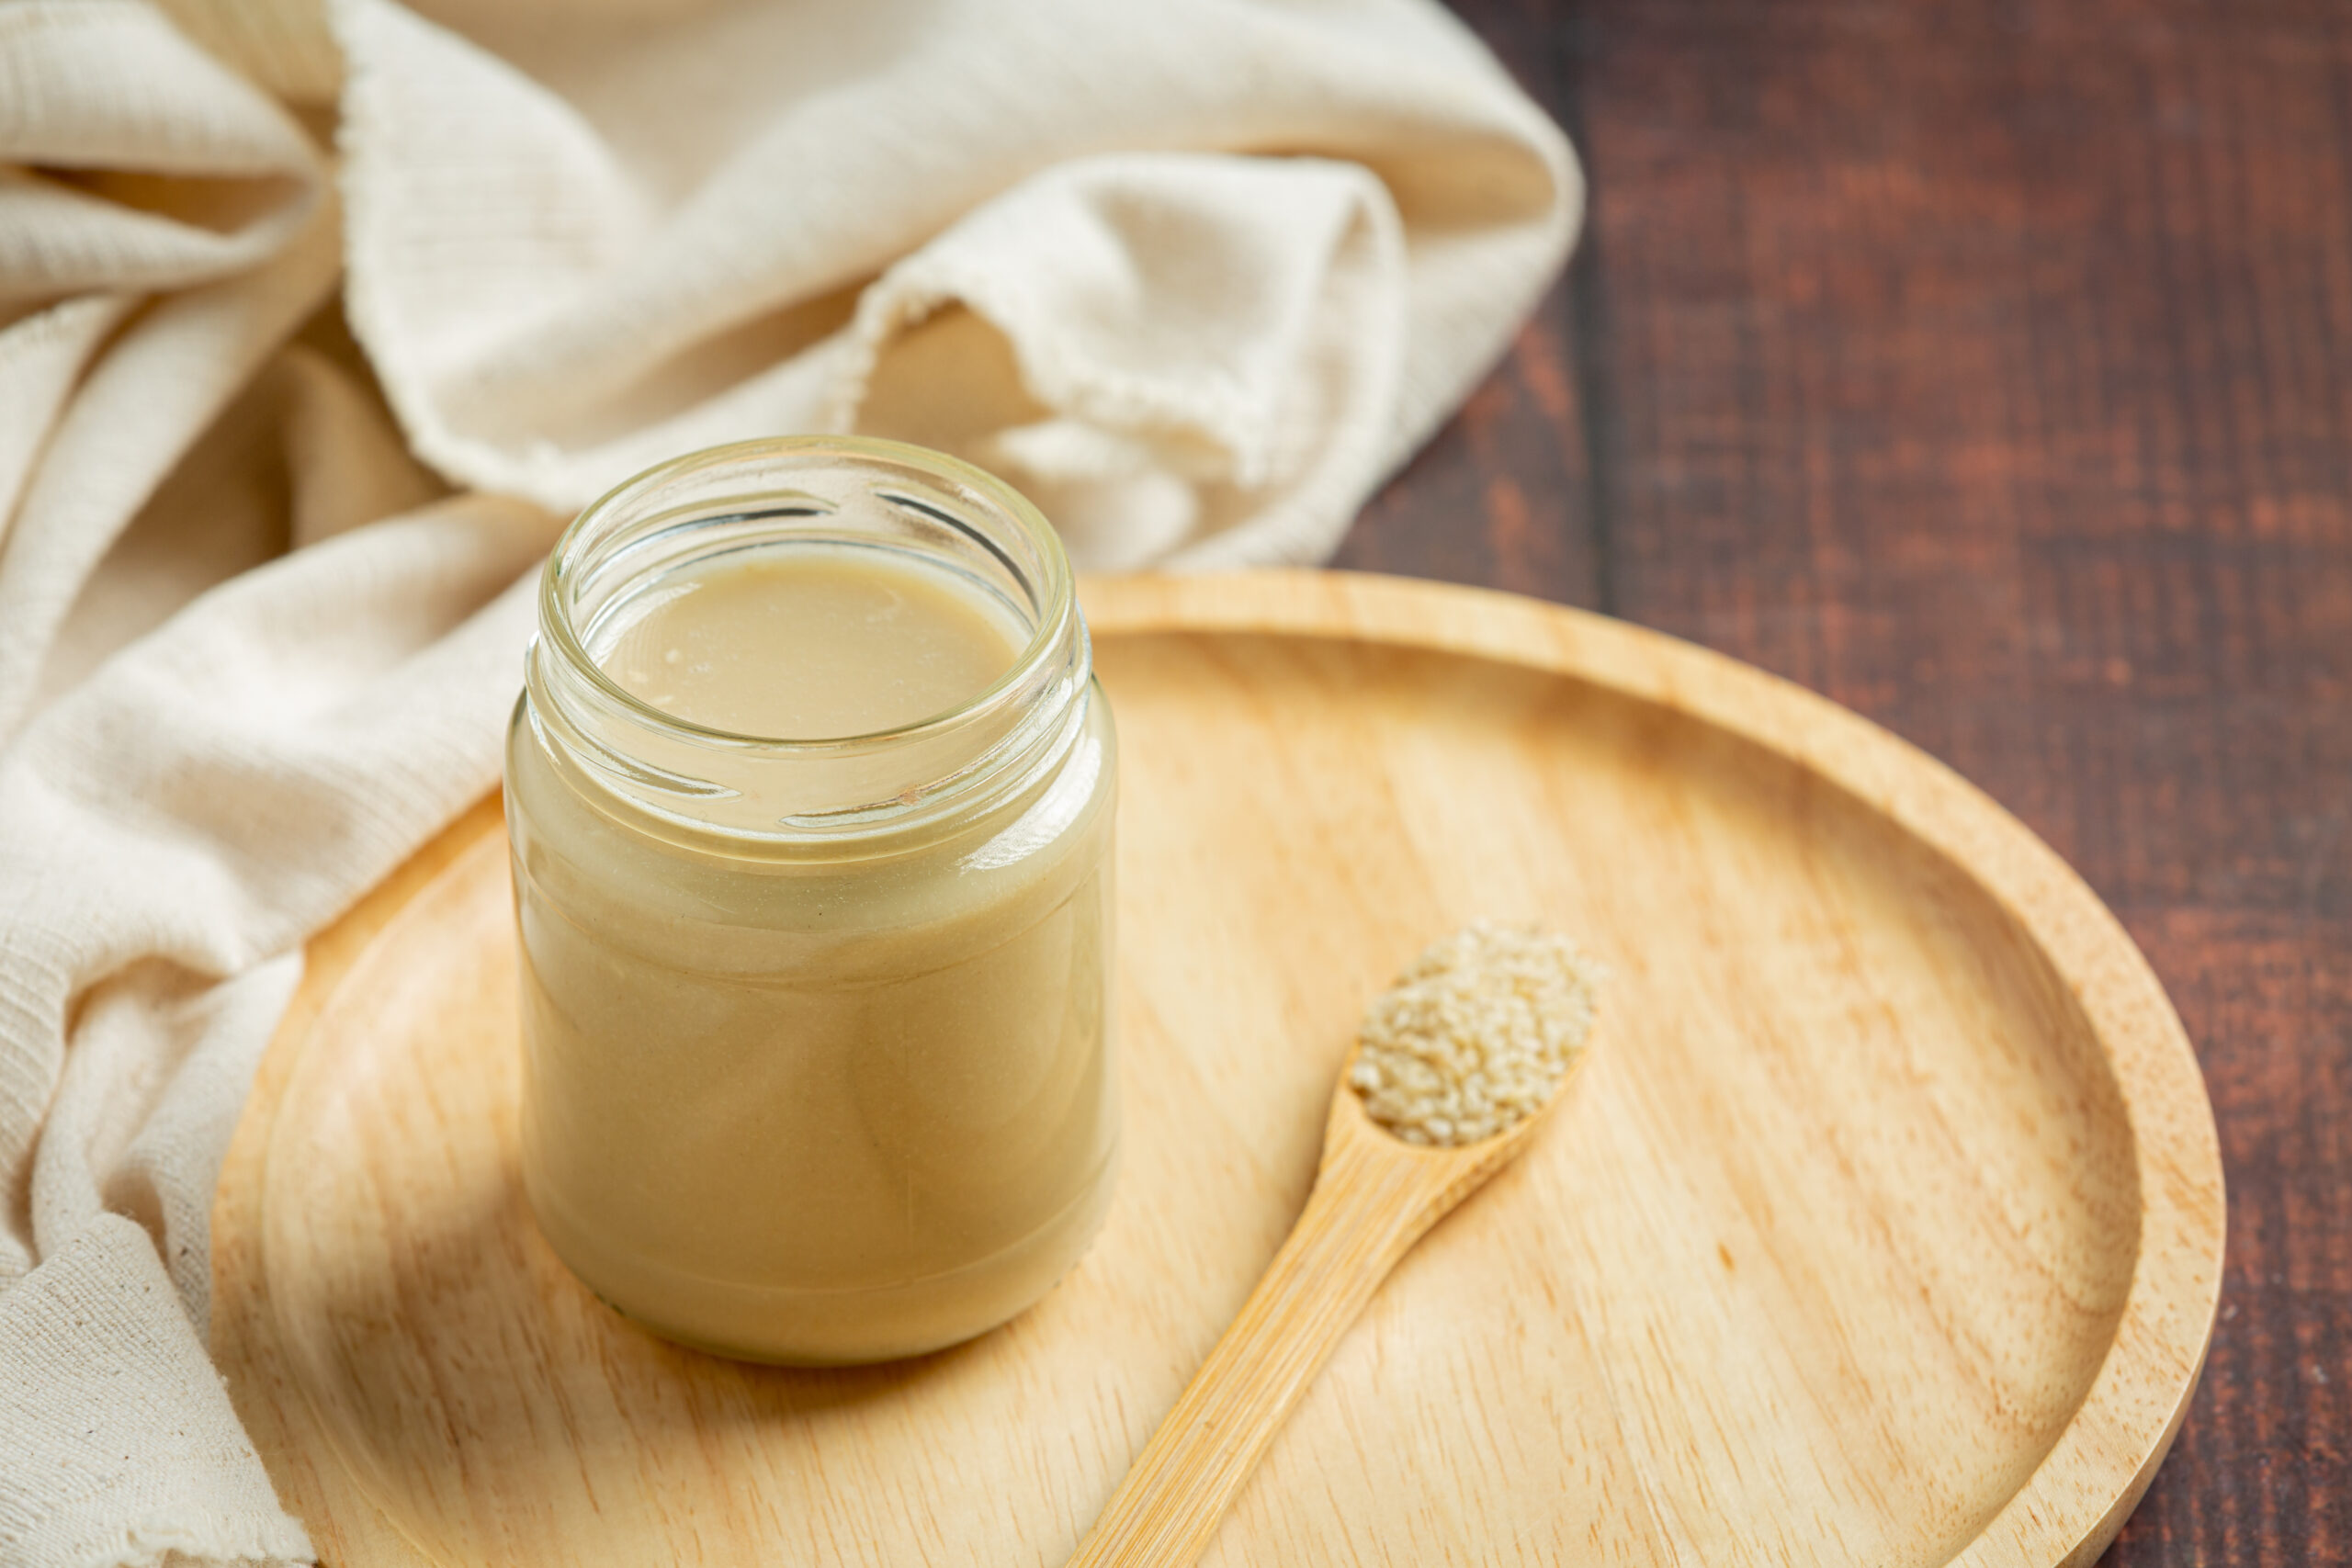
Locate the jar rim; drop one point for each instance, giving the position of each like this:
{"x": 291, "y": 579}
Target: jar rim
{"x": 1055, "y": 603}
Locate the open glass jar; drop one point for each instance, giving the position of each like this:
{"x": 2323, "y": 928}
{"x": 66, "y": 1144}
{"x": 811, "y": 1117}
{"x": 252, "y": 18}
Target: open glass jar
{"x": 817, "y": 1064}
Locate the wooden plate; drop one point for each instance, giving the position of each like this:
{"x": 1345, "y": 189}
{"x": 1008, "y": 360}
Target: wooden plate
{"x": 1885, "y": 1227}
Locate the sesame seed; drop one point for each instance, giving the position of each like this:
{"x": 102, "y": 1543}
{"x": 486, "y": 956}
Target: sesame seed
{"x": 1474, "y": 1036}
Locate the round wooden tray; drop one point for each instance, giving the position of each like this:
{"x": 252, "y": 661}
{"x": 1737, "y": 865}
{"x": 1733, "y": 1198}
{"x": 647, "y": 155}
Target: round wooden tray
{"x": 1884, "y": 1227}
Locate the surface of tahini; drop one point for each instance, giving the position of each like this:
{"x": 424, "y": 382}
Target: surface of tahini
{"x": 1883, "y": 1225}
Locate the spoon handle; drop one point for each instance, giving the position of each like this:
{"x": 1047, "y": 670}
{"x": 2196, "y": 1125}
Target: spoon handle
{"x": 1372, "y": 1198}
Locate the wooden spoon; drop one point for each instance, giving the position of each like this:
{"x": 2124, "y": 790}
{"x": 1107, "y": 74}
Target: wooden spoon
{"x": 1375, "y": 1196}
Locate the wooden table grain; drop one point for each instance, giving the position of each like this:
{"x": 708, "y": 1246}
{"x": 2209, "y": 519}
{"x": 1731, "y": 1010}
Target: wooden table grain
{"x": 1989, "y": 369}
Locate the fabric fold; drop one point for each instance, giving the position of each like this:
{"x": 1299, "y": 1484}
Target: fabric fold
{"x": 140, "y": 162}
{"x": 135, "y": 412}
{"x": 1188, "y": 340}
{"x": 656, "y": 255}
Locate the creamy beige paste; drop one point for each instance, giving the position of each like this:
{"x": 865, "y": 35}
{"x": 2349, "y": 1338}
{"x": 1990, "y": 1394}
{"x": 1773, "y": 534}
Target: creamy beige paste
{"x": 814, "y": 645}
{"x": 816, "y": 1106}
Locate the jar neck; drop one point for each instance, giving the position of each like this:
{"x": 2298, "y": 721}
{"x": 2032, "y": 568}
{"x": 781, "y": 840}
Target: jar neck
{"x": 827, "y": 493}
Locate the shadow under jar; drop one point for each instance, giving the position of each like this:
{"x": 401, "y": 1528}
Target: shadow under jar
{"x": 817, "y": 1064}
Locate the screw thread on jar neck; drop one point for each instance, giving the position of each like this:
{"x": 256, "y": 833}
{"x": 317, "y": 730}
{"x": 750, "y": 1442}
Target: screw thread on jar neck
{"x": 826, "y": 491}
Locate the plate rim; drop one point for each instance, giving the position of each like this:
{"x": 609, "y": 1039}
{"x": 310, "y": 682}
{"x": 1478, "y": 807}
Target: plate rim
{"x": 2074, "y": 1502}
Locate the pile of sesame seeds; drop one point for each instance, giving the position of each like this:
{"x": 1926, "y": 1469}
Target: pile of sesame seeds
{"x": 1473, "y": 1038}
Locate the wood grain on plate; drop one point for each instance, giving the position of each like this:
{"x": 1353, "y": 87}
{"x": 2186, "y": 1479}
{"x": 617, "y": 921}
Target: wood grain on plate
{"x": 1884, "y": 1227}
{"x": 1984, "y": 367}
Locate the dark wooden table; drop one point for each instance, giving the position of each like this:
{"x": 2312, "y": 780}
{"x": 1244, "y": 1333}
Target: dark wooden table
{"x": 1988, "y": 367}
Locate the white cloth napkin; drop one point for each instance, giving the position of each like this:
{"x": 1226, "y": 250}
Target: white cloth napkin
{"x": 1196, "y": 274}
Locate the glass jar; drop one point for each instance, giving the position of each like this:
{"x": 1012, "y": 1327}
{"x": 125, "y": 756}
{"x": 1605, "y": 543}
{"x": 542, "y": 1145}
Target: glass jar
{"x": 816, "y": 1050}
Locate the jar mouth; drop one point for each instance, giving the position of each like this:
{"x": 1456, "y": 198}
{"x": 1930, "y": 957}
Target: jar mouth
{"x": 835, "y": 493}
{"x": 1053, "y": 600}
